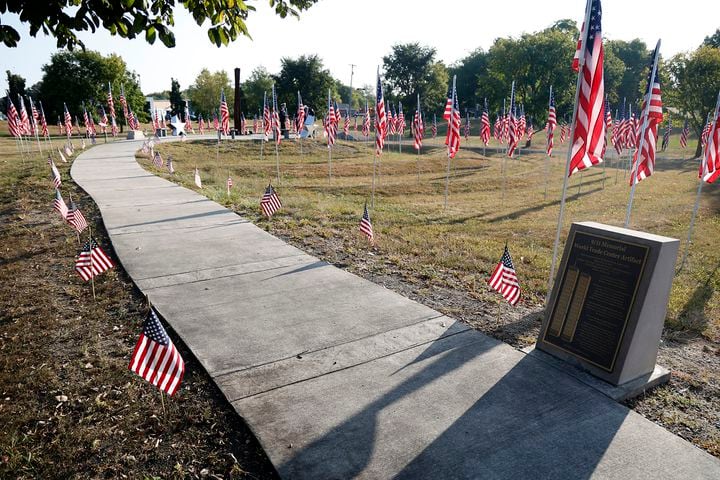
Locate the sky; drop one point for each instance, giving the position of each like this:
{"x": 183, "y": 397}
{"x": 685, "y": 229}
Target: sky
{"x": 357, "y": 38}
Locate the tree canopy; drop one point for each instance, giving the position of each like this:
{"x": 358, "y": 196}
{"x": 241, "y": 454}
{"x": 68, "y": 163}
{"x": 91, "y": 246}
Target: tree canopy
{"x": 16, "y": 86}
{"x": 204, "y": 94}
{"x": 64, "y": 19}
{"x": 82, "y": 77}
{"x": 177, "y": 104}
{"x": 308, "y": 75}
{"x": 259, "y": 82}
{"x": 411, "y": 69}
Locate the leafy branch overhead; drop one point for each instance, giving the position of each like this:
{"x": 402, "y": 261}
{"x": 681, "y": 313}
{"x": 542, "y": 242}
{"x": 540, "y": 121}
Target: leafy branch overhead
{"x": 64, "y": 19}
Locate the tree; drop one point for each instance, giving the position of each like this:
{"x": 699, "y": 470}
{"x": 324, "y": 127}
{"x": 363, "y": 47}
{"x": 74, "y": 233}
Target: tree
{"x": 634, "y": 55}
{"x": 713, "y": 40}
{"x": 88, "y": 73}
{"x": 259, "y": 82}
{"x": 694, "y": 85}
{"x": 308, "y": 75}
{"x": 411, "y": 69}
{"x": 204, "y": 94}
{"x": 63, "y": 19}
{"x": 177, "y": 104}
{"x": 16, "y": 86}
{"x": 468, "y": 70}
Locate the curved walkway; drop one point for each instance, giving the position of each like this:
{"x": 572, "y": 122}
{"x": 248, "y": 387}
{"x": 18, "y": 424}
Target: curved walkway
{"x": 342, "y": 378}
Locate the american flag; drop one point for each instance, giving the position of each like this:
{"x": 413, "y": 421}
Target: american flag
{"x": 666, "y": 135}
{"x": 216, "y": 122}
{"x": 497, "y": 127}
{"x": 157, "y": 160}
{"x": 270, "y": 203}
{"x": 418, "y": 127}
{"x": 198, "y": 181}
{"x": 522, "y": 124}
{"x": 366, "y": 121}
{"x": 229, "y": 183}
{"x": 43, "y": 122}
{"x": 266, "y": 117}
{"x": 355, "y": 123}
{"x": 61, "y": 129}
{"x": 123, "y": 102}
{"x": 563, "y": 132}
{"x": 551, "y": 123}
{"x": 86, "y": 122}
{"x": 34, "y": 116}
{"x": 201, "y": 124}
{"x": 104, "y": 122}
{"x": 113, "y": 127}
{"x": 337, "y": 117}
{"x": 448, "y": 104}
{"x": 652, "y": 116}
{"x": 530, "y": 129}
{"x": 400, "y": 127}
{"x": 512, "y": 127}
{"x": 255, "y": 124}
{"x": 188, "y": 121}
{"x": 156, "y": 120}
{"x": 24, "y": 120}
{"x": 485, "y": 125}
{"x": 155, "y": 357}
{"x": 75, "y": 218}
{"x": 111, "y": 104}
{"x": 710, "y": 165}
{"x": 275, "y": 118}
{"x": 300, "y": 115}
{"x": 365, "y": 225}
{"x": 589, "y": 131}
{"x": 433, "y": 127}
{"x": 132, "y": 121}
{"x": 608, "y": 115}
{"x": 170, "y": 167}
{"x": 330, "y": 123}
{"x": 504, "y": 279}
{"x": 346, "y": 125}
{"x": 55, "y": 173}
{"x": 13, "y": 119}
{"x": 630, "y": 129}
{"x": 92, "y": 261}
{"x": 684, "y": 134}
{"x": 243, "y": 124}
{"x": 224, "y": 114}
{"x": 380, "y": 118}
{"x": 59, "y": 205}
{"x": 706, "y": 131}
{"x": 68, "y": 122}
{"x": 452, "y": 139}
{"x": 62, "y": 157}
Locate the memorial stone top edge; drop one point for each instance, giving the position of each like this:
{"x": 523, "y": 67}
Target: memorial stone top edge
{"x": 626, "y": 231}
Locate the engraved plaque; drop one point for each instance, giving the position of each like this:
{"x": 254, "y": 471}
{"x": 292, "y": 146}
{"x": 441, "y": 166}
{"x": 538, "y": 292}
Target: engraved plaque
{"x": 597, "y": 292}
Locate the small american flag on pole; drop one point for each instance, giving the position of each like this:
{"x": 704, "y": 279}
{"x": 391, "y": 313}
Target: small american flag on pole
{"x": 666, "y": 135}
{"x": 55, "y": 173}
{"x": 651, "y": 115}
{"x": 710, "y": 164}
{"x": 229, "y": 184}
{"x": 224, "y": 114}
{"x": 365, "y": 225}
{"x": 266, "y": 117}
{"x": 366, "y": 121}
{"x": 68, "y": 121}
{"x": 92, "y": 261}
{"x": 270, "y": 203}
{"x": 157, "y": 160}
{"x": 452, "y": 139}
{"x": 155, "y": 357}
{"x": 59, "y": 205}
{"x": 684, "y": 135}
{"x": 198, "y": 181}
{"x": 380, "y": 118}
{"x": 551, "y": 123}
{"x": 504, "y": 279}
{"x": 485, "y": 125}
{"x": 111, "y": 104}
{"x": 300, "y": 115}
{"x": 76, "y": 218}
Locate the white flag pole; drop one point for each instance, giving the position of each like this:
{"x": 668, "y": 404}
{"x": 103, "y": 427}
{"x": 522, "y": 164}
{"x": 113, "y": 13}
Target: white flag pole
{"x": 645, "y": 116}
{"x": 581, "y": 64}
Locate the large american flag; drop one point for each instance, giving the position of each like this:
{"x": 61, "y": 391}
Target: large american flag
{"x": 418, "y": 127}
{"x": 34, "y": 117}
{"x": 188, "y": 121}
{"x": 400, "y": 121}
{"x": 92, "y": 261}
{"x": 392, "y": 121}
{"x": 270, "y": 203}
{"x": 330, "y": 123}
{"x": 504, "y": 279}
{"x": 275, "y": 118}
{"x": 59, "y": 205}
{"x": 267, "y": 127}
{"x": 43, "y": 122}
{"x": 75, "y": 217}
{"x": 512, "y": 127}
{"x": 68, "y": 121}
{"x": 224, "y": 114}
{"x": 155, "y": 357}
{"x": 365, "y": 225}
{"x": 13, "y": 119}
{"x": 448, "y": 104}
{"x": 684, "y": 134}
{"x": 710, "y": 166}
{"x": 123, "y": 102}
{"x": 706, "y": 130}
{"x": 300, "y": 116}
{"x": 551, "y": 123}
{"x": 485, "y": 124}
{"x": 666, "y": 134}
{"x": 497, "y": 127}
{"x": 452, "y": 139}
{"x": 589, "y": 128}
{"x": 651, "y": 116}
{"x": 111, "y": 104}
{"x": 380, "y": 118}
{"x": 201, "y": 124}
{"x": 346, "y": 125}
{"x": 24, "y": 120}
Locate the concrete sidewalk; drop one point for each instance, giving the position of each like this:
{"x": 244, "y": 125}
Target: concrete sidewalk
{"x": 341, "y": 378}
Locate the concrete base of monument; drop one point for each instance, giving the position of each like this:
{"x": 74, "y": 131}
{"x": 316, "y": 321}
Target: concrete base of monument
{"x": 135, "y": 135}
{"x": 627, "y": 390}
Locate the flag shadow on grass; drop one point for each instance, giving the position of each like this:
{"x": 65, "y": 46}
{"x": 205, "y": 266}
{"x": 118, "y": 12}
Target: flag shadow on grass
{"x": 176, "y": 219}
{"x": 693, "y": 312}
{"x": 525, "y": 211}
{"x": 518, "y": 409}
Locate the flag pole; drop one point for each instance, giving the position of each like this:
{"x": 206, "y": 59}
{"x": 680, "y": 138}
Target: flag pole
{"x": 581, "y": 64}
{"x": 699, "y": 189}
{"x": 645, "y": 113}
